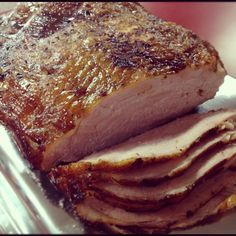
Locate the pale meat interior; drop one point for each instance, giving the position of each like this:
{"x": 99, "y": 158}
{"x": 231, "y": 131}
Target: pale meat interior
{"x": 133, "y": 110}
{"x": 171, "y": 139}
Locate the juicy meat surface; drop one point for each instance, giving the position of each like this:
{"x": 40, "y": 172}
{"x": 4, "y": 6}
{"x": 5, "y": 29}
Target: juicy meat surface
{"x": 78, "y": 77}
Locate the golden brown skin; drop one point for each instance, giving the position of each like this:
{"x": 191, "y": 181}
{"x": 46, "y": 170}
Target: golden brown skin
{"x": 58, "y": 60}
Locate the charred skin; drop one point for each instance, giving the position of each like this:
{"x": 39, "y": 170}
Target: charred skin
{"x": 58, "y": 60}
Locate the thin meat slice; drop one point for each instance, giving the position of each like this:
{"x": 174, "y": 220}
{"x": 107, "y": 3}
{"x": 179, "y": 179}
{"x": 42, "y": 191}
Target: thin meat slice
{"x": 151, "y": 174}
{"x": 173, "y": 188}
{"x": 77, "y": 77}
{"x": 222, "y": 203}
{"x": 219, "y": 205}
{"x": 99, "y": 211}
{"x": 169, "y": 140}
{"x": 151, "y": 197}
{"x": 216, "y": 208}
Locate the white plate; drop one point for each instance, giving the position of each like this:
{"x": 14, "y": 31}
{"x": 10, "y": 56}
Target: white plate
{"x": 24, "y": 207}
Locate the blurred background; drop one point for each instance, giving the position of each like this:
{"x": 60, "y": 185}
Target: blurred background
{"x": 212, "y": 21}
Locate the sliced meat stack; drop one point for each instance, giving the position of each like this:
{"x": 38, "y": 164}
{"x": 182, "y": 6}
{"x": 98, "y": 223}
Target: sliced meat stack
{"x": 172, "y": 177}
{"x": 78, "y": 77}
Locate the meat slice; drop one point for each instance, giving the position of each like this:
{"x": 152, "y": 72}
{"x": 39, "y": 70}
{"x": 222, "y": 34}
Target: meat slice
{"x": 78, "y": 77}
{"x": 155, "y": 173}
{"x": 132, "y": 197}
{"x": 218, "y": 205}
{"x": 204, "y": 198}
{"x": 214, "y": 209}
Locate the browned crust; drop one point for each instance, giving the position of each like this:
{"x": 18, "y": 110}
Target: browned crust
{"x": 89, "y": 43}
{"x": 14, "y": 128}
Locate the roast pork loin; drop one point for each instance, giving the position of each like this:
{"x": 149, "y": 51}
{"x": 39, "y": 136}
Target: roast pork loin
{"x": 172, "y": 177}
{"x": 79, "y": 77}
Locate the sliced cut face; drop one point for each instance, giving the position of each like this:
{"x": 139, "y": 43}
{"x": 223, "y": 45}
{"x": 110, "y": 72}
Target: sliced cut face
{"x": 79, "y": 77}
{"x": 96, "y": 210}
{"x": 153, "y": 173}
{"x": 211, "y": 211}
{"x": 178, "y": 186}
{"x": 218, "y": 206}
{"x": 117, "y": 117}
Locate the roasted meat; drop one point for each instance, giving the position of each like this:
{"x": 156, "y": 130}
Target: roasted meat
{"x": 79, "y": 77}
{"x": 184, "y": 169}
{"x": 76, "y": 78}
